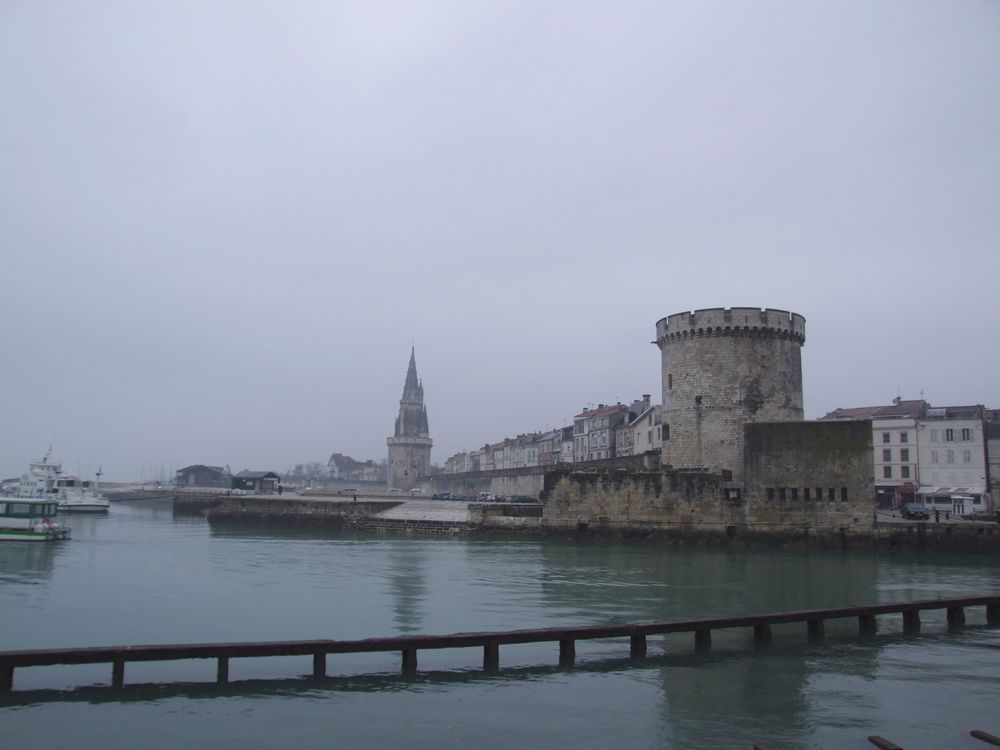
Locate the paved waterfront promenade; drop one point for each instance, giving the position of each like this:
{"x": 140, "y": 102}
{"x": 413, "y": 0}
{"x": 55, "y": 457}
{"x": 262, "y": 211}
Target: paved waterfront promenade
{"x": 421, "y": 509}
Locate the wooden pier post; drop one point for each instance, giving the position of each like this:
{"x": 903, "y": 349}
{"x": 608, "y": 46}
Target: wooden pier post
{"x": 761, "y": 635}
{"x": 118, "y": 673}
{"x": 993, "y": 614}
{"x": 6, "y": 678}
{"x": 956, "y": 617}
{"x": 491, "y": 657}
{"x": 222, "y": 670}
{"x": 911, "y": 622}
{"x": 319, "y": 664}
{"x": 637, "y": 647}
{"x": 409, "y": 661}
{"x": 703, "y": 639}
{"x": 567, "y": 653}
{"x": 815, "y": 630}
{"x": 867, "y": 625}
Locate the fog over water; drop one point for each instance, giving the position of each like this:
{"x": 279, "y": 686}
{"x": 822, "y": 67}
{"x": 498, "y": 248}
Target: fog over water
{"x": 223, "y": 225}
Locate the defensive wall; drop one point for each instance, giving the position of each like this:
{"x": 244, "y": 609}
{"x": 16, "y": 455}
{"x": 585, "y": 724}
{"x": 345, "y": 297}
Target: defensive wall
{"x": 786, "y": 466}
{"x": 722, "y": 368}
{"x": 529, "y": 481}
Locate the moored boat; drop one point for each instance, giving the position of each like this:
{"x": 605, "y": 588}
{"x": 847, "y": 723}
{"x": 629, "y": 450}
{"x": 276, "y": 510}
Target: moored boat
{"x": 45, "y": 480}
{"x": 24, "y": 519}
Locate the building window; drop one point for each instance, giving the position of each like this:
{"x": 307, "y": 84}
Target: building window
{"x": 904, "y": 472}
{"x": 904, "y": 454}
{"x": 887, "y": 472}
{"x": 950, "y": 457}
{"x": 670, "y": 381}
{"x": 843, "y": 494}
{"x": 966, "y": 434}
{"x": 887, "y": 454}
{"x": 967, "y": 456}
{"x": 904, "y": 437}
{"x": 805, "y": 493}
{"x": 831, "y": 493}
{"x": 934, "y": 436}
{"x": 885, "y": 437}
{"x": 819, "y": 493}
{"x": 934, "y": 457}
{"x": 795, "y": 493}
{"x": 949, "y": 435}
{"x": 770, "y": 493}
{"x": 781, "y": 493}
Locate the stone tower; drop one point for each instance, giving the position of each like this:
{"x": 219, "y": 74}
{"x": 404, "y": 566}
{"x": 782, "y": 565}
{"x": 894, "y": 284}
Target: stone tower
{"x": 410, "y": 446}
{"x": 723, "y": 368}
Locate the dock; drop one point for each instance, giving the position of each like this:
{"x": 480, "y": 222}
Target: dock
{"x": 408, "y": 646}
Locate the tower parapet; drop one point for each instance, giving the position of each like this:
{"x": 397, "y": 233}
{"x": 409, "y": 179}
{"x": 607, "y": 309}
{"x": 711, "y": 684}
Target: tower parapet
{"x": 732, "y": 321}
{"x": 722, "y": 368}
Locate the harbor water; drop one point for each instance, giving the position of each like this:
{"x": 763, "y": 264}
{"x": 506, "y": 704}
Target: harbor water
{"x": 142, "y": 576}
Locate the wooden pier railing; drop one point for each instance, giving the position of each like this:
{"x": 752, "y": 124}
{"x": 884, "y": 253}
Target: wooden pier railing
{"x": 408, "y": 646}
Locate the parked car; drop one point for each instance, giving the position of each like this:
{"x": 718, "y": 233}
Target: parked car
{"x": 916, "y": 511}
{"x": 417, "y": 491}
{"x": 441, "y": 496}
{"x": 394, "y": 490}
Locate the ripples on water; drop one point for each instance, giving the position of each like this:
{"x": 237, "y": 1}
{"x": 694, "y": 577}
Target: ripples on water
{"x": 141, "y": 576}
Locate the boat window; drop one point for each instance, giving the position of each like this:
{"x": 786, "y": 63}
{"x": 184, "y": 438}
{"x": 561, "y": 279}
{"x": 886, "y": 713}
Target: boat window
{"x": 20, "y": 508}
{"x": 3, "y": 508}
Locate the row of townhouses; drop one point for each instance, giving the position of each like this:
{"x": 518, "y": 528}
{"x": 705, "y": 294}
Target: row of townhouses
{"x": 947, "y": 458}
{"x": 937, "y": 456}
{"x": 607, "y": 432}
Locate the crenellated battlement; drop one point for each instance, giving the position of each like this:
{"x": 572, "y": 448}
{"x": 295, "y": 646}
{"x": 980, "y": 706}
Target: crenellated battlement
{"x": 751, "y": 322}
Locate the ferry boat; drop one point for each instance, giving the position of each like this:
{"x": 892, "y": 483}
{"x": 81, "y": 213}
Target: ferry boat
{"x": 45, "y": 480}
{"x": 25, "y": 519}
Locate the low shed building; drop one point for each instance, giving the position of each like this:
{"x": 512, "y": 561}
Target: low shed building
{"x": 199, "y": 475}
{"x": 257, "y": 481}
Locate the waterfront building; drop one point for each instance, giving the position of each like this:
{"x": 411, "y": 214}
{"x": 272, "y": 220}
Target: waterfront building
{"x": 199, "y": 475}
{"x": 993, "y": 455}
{"x": 594, "y": 431}
{"x": 549, "y": 447}
{"x": 646, "y": 430}
{"x": 256, "y": 481}
{"x": 410, "y": 444}
{"x": 895, "y": 453}
{"x": 952, "y": 444}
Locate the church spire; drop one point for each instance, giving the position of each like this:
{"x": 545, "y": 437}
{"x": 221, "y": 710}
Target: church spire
{"x": 410, "y": 445}
{"x": 412, "y": 383}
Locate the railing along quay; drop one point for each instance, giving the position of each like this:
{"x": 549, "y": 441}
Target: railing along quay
{"x": 409, "y": 645}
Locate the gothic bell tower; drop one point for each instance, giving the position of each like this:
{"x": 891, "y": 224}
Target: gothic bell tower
{"x": 410, "y": 446}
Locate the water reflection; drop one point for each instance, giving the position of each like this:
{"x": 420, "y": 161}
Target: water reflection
{"x": 608, "y": 582}
{"x": 407, "y": 584}
{"x": 27, "y": 562}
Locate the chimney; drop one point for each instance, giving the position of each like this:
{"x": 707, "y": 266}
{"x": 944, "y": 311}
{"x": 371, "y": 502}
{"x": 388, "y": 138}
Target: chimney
{"x": 645, "y": 400}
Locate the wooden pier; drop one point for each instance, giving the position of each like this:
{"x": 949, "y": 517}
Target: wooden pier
{"x": 490, "y": 643}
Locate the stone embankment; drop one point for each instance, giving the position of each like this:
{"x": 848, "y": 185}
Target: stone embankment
{"x": 256, "y": 510}
{"x": 437, "y": 517}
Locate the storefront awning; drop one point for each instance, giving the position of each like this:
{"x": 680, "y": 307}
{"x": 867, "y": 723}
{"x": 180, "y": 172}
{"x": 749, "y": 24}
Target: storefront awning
{"x": 959, "y": 493}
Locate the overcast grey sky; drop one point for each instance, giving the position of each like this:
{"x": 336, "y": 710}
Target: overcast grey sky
{"x": 223, "y": 224}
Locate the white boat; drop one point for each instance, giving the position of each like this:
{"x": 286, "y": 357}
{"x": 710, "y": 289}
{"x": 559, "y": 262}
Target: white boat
{"x": 25, "y": 519}
{"x": 45, "y": 480}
